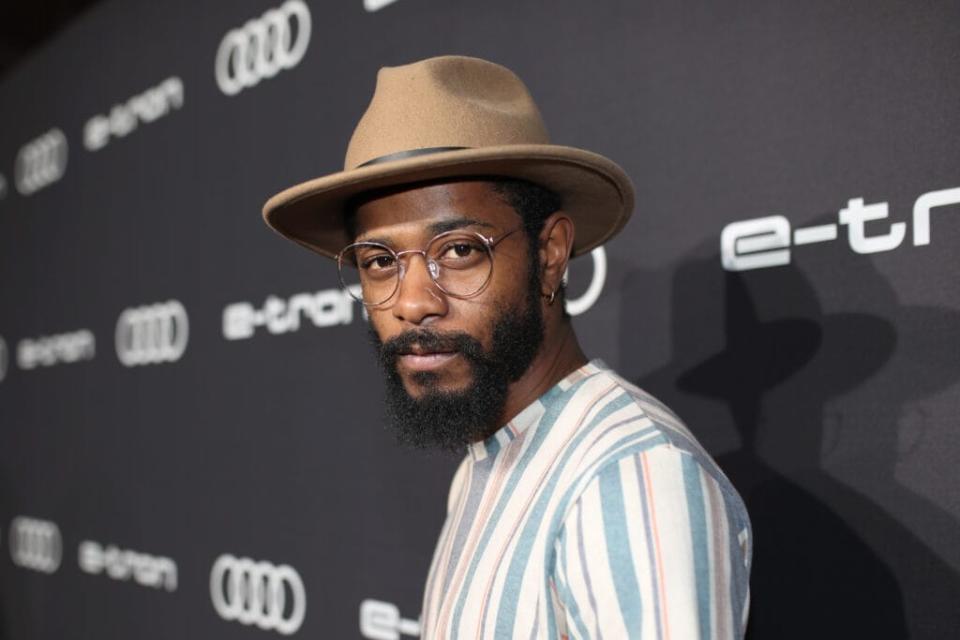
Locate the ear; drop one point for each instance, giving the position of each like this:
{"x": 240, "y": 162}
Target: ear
{"x": 556, "y": 245}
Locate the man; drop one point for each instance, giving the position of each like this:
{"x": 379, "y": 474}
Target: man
{"x": 584, "y": 508}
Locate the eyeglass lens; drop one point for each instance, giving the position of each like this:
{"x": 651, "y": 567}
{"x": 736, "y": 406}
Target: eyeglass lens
{"x": 459, "y": 262}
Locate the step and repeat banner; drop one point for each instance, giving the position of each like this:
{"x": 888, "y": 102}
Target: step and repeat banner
{"x": 191, "y": 433}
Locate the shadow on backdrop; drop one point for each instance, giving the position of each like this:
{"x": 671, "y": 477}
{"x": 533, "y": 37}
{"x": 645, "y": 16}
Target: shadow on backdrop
{"x": 829, "y": 562}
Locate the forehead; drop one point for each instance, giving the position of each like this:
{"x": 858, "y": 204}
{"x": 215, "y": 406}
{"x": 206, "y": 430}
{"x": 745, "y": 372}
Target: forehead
{"x": 418, "y": 210}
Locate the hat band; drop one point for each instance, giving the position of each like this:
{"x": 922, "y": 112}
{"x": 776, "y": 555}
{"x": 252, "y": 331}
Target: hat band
{"x": 411, "y": 153}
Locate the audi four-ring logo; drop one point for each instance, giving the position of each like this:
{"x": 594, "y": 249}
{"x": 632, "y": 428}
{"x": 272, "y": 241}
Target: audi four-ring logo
{"x": 41, "y": 162}
{"x": 263, "y": 47}
{"x": 576, "y": 306}
{"x": 152, "y": 334}
{"x": 258, "y": 593}
{"x": 35, "y": 544}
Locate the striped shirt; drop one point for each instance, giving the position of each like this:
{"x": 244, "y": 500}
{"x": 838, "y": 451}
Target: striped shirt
{"x": 594, "y": 513}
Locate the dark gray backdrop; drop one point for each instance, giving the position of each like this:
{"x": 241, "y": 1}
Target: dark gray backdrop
{"x": 827, "y": 386}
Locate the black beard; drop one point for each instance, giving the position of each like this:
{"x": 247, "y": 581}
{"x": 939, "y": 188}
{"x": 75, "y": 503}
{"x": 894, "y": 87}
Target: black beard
{"x": 452, "y": 420}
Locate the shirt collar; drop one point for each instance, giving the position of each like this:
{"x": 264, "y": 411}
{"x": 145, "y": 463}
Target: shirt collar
{"x": 530, "y": 415}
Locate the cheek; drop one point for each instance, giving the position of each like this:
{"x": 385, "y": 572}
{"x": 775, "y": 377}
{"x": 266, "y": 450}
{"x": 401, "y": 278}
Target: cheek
{"x": 509, "y": 287}
{"x": 479, "y": 316}
{"x": 512, "y": 275}
{"x": 380, "y": 324}
{"x": 474, "y": 318}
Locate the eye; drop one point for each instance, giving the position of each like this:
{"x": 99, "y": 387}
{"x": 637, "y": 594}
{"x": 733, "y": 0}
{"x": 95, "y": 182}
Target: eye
{"x": 459, "y": 250}
{"x": 378, "y": 262}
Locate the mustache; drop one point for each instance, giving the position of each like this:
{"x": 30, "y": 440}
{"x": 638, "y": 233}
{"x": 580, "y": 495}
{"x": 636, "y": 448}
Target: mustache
{"x": 427, "y": 340}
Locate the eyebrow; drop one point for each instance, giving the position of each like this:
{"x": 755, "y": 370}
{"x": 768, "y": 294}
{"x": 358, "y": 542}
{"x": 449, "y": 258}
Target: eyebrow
{"x": 457, "y": 223}
{"x": 440, "y": 226}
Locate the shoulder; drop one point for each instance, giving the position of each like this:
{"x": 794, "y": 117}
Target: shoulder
{"x": 613, "y": 417}
{"x": 458, "y": 483}
{"x": 627, "y": 430}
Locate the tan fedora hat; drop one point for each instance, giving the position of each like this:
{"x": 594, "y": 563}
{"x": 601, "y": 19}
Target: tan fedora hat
{"x": 445, "y": 117}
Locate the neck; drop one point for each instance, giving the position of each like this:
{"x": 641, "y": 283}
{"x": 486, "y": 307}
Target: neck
{"x": 559, "y": 356}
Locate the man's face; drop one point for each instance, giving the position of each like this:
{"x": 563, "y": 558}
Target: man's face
{"x": 448, "y": 361}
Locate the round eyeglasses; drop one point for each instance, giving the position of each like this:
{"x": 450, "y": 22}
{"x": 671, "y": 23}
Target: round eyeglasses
{"x": 459, "y": 262}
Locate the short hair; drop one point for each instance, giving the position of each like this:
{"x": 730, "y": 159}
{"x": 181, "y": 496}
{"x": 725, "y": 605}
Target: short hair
{"x": 534, "y": 204}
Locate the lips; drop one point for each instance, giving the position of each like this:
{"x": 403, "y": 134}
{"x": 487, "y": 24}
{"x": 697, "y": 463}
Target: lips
{"x": 426, "y": 351}
{"x": 418, "y": 359}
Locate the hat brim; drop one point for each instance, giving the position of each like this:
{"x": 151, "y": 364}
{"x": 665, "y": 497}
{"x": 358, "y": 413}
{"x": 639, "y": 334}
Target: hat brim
{"x": 596, "y": 193}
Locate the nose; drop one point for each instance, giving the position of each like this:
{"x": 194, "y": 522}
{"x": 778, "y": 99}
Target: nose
{"x": 419, "y": 299}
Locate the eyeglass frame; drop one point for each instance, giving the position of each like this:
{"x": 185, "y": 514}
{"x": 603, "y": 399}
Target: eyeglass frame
{"x": 489, "y": 242}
